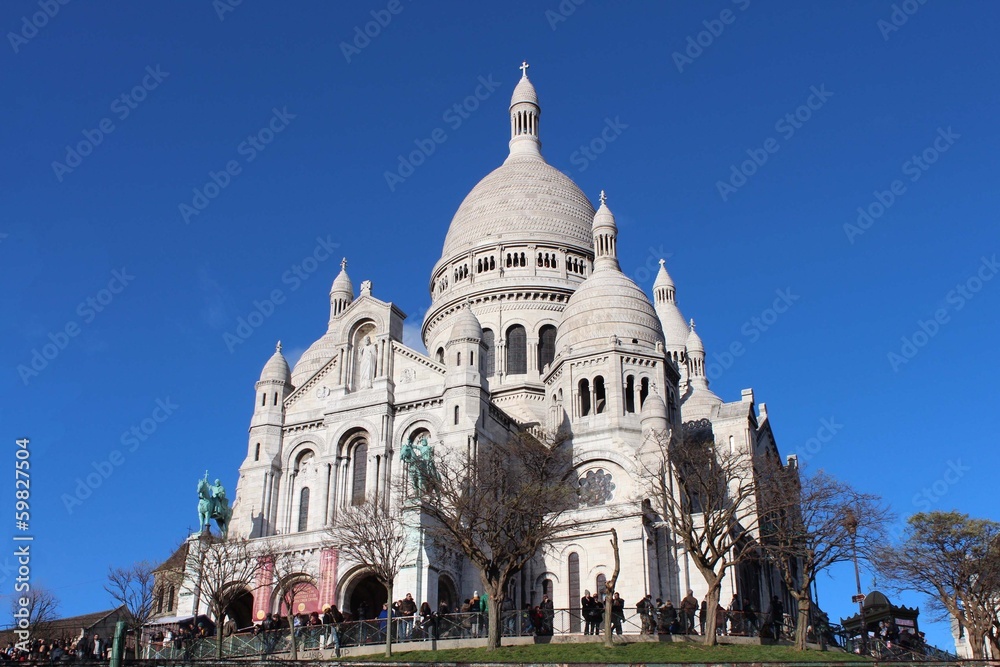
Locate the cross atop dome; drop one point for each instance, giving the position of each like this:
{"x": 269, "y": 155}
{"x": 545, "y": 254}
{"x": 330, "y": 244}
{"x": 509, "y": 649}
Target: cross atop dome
{"x": 343, "y": 264}
{"x": 524, "y": 69}
{"x": 277, "y": 348}
{"x": 604, "y": 197}
{"x": 692, "y": 324}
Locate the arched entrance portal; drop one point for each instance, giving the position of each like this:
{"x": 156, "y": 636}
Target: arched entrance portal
{"x": 366, "y": 597}
{"x": 447, "y": 592}
{"x": 241, "y": 610}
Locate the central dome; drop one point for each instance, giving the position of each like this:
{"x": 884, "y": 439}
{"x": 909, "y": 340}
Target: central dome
{"x": 524, "y": 199}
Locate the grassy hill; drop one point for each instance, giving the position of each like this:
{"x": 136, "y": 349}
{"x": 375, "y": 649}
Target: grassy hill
{"x": 635, "y": 653}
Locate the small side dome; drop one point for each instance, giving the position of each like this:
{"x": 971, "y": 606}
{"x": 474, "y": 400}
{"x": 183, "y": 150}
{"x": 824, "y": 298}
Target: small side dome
{"x": 466, "y": 325}
{"x": 663, "y": 278}
{"x": 342, "y": 285}
{"x": 694, "y": 343}
{"x": 608, "y": 304}
{"x": 276, "y": 368}
{"x": 653, "y": 407}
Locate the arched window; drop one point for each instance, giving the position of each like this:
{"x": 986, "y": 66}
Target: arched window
{"x": 489, "y": 360}
{"x": 304, "y": 509}
{"x": 159, "y": 600}
{"x": 643, "y": 391}
{"x": 170, "y": 598}
{"x": 472, "y": 358}
{"x": 584, "y": 397}
{"x": 440, "y": 355}
{"x": 458, "y": 358}
{"x": 546, "y": 345}
{"x": 517, "y": 350}
{"x": 263, "y": 398}
{"x": 600, "y": 398}
{"x": 456, "y": 415}
{"x": 630, "y": 394}
{"x": 256, "y": 452}
{"x": 360, "y": 478}
{"x": 602, "y": 584}
{"x": 524, "y": 261}
{"x": 573, "y": 564}
{"x": 275, "y": 398}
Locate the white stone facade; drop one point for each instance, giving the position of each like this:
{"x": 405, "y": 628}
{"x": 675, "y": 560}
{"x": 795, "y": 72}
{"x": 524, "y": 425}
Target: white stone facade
{"x": 532, "y": 325}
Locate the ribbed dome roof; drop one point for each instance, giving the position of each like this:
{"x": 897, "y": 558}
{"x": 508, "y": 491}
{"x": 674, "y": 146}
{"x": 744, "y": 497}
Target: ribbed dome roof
{"x": 524, "y": 199}
{"x": 524, "y": 91}
{"x": 313, "y": 359}
{"x": 694, "y": 343}
{"x": 608, "y": 304}
{"x": 342, "y": 283}
{"x": 276, "y": 367}
{"x": 466, "y": 326}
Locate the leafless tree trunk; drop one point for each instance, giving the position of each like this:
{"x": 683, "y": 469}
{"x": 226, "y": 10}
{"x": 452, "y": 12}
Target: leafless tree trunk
{"x": 292, "y": 572}
{"x": 225, "y": 569}
{"x": 609, "y": 590}
{"x": 499, "y": 507}
{"x": 706, "y": 496}
{"x": 374, "y": 536}
{"x": 132, "y": 588}
{"x": 806, "y": 526}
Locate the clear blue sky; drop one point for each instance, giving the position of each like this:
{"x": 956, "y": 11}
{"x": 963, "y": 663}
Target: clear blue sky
{"x": 155, "y": 331}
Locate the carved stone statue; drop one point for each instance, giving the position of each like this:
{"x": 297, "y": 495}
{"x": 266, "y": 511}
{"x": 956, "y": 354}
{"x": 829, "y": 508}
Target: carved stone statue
{"x": 366, "y": 364}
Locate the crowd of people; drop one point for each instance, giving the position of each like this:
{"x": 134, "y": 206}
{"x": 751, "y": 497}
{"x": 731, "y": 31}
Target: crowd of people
{"x": 86, "y": 647}
{"x": 690, "y": 617}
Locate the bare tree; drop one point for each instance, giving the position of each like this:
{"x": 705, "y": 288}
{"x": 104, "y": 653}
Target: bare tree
{"x": 293, "y": 574}
{"x": 706, "y": 496}
{"x": 33, "y": 613}
{"x": 374, "y": 535}
{"x": 955, "y": 561}
{"x": 223, "y": 570}
{"x": 803, "y": 529}
{"x": 132, "y": 589}
{"x": 609, "y": 589}
{"x": 499, "y": 505}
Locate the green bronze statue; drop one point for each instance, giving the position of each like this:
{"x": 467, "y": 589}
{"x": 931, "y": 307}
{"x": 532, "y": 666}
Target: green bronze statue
{"x": 213, "y": 504}
{"x": 419, "y": 460}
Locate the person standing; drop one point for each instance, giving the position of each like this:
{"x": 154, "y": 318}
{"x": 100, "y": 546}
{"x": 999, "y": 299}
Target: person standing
{"x": 775, "y": 616}
{"x": 548, "y": 615}
{"x": 689, "y": 605}
{"x": 617, "y": 613}
{"x": 587, "y": 610}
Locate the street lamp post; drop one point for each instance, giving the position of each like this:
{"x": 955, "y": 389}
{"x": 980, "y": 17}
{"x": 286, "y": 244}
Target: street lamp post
{"x": 851, "y": 524}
